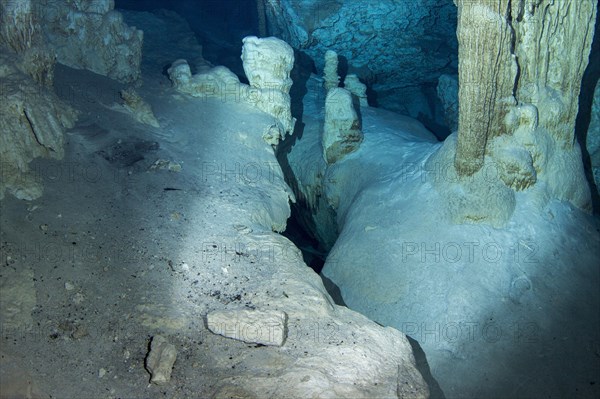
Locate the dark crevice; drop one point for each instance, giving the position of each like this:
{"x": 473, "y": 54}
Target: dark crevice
{"x": 302, "y": 223}
{"x": 311, "y": 253}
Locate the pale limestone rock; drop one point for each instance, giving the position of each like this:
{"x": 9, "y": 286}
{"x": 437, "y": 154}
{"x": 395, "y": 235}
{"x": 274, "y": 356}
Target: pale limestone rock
{"x": 513, "y": 163}
{"x": 353, "y": 84}
{"x": 275, "y": 103}
{"x": 180, "y": 75}
{"x": 90, "y": 34}
{"x": 559, "y": 170}
{"x": 38, "y": 62}
{"x": 411, "y": 384}
{"x": 160, "y": 360}
{"x": 266, "y": 327}
{"x": 216, "y": 82}
{"x": 552, "y": 58}
{"x": 330, "y": 71}
{"x": 138, "y": 108}
{"x": 165, "y": 164}
{"x": 486, "y": 78}
{"x": 19, "y": 25}
{"x": 21, "y": 33}
{"x": 267, "y": 63}
{"x": 518, "y": 99}
{"x": 33, "y": 120}
{"x": 32, "y": 117}
{"x": 479, "y": 198}
{"x": 333, "y": 354}
{"x": 342, "y": 131}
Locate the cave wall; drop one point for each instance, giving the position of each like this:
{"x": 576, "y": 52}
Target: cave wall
{"x": 399, "y": 48}
{"x": 32, "y": 118}
{"x": 91, "y": 35}
{"x": 34, "y": 35}
{"x": 593, "y": 137}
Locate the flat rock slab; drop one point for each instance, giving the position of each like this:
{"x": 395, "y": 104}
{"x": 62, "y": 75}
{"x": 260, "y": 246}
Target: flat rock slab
{"x": 266, "y": 327}
{"x": 160, "y": 360}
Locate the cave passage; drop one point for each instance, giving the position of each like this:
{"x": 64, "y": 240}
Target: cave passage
{"x": 219, "y": 25}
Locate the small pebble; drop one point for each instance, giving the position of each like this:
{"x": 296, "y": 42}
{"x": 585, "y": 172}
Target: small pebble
{"x": 242, "y": 228}
{"x": 78, "y": 298}
{"x": 79, "y": 333}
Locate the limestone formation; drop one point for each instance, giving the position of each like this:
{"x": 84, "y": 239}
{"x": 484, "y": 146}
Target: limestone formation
{"x": 480, "y": 198}
{"x": 20, "y": 32}
{"x": 216, "y": 82}
{"x": 90, "y": 34}
{"x": 486, "y": 78}
{"x": 160, "y": 360}
{"x": 138, "y": 108}
{"x": 32, "y": 118}
{"x": 330, "y": 351}
{"x": 267, "y": 64}
{"x": 266, "y": 327}
{"x": 353, "y": 84}
{"x": 330, "y": 71}
{"x": 518, "y": 99}
{"x": 593, "y": 137}
{"x": 19, "y": 25}
{"x": 342, "y": 131}
{"x": 180, "y": 75}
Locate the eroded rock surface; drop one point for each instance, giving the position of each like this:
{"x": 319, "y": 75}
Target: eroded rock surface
{"x": 593, "y": 137}
{"x": 91, "y": 35}
{"x": 32, "y": 118}
{"x": 400, "y": 48}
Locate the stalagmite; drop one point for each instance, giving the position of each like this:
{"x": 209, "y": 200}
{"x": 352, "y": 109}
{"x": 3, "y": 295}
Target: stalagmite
{"x": 520, "y": 70}
{"x": 342, "y": 133}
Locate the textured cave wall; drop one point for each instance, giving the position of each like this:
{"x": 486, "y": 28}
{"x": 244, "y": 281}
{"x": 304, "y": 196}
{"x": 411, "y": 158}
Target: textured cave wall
{"x": 520, "y": 72}
{"x": 398, "y": 47}
{"x": 90, "y": 34}
{"x": 593, "y": 137}
{"x": 32, "y": 118}
{"x": 34, "y": 35}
